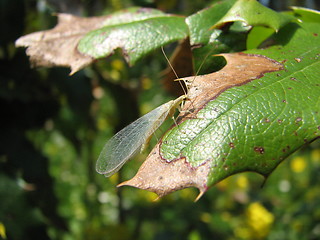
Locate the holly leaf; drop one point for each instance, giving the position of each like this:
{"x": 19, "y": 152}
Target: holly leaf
{"x": 252, "y": 13}
{"x": 305, "y": 14}
{"x": 59, "y": 46}
{"x": 76, "y": 42}
{"x": 249, "y": 116}
{"x": 224, "y": 27}
{"x": 136, "y": 39}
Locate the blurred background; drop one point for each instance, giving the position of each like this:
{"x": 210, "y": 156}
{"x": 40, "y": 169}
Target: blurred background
{"x": 53, "y": 127}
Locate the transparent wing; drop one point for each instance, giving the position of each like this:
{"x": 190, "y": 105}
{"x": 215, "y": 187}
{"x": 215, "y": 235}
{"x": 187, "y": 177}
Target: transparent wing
{"x": 128, "y": 141}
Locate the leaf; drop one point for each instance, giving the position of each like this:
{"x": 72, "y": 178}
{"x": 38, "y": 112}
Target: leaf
{"x": 204, "y": 39}
{"x": 259, "y": 33}
{"x": 201, "y": 22}
{"x": 253, "y": 13}
{"x": 305, "y": 14}
{"x": 242, "y": 118}
{"x": 168, "y": 165}
{"x": 208, "y": 35}
{"x": 136, "y": 39}
{"x": 58, "y": 46}
{"x": 76, "y": 42}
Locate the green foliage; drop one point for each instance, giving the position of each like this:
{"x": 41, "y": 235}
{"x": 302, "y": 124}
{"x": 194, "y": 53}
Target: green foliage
{"x": 137, "y": 33}
{"x": 261, "y": 106}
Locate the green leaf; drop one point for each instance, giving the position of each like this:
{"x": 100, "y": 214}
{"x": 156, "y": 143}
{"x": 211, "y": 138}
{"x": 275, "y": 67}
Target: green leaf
{"x": 201, "y": 22}
{"x": 135, "y": 38}
{"x": 206, "y": 37}
{"x": 252, "y": 13}
{"x": 131, "y": 15}
{"x": 255, "y": 126}
{"x": 305, "y": 14}
{"x": 206, "y": 40}
{"x": 257, "y": 35}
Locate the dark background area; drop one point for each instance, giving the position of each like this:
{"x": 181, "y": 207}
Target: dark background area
{"x": 53, "y": 126}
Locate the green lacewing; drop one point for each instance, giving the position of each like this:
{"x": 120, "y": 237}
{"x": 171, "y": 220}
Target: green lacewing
{"x": 129, "y": 141}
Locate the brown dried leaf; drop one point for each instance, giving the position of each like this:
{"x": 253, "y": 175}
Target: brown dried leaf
{"x": 58, "y": 46}
{"x": 162, "y": 177}
{"x": 158, "y": 176}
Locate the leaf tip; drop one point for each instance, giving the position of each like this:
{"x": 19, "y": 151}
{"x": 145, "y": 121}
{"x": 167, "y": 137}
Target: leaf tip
{"x": 201, "y": 193}
{"x": 162, "y": 177}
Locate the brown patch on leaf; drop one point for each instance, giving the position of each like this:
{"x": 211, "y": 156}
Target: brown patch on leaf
{"x": 240, "y": 69}
{"x": 162, "y": 177}
{"x": 259, "y": 150}
{"x": 58, "y": 46}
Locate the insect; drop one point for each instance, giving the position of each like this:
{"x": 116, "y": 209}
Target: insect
{"x": 128, "y": 141}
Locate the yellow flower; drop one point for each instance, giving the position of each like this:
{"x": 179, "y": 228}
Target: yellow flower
{"x": 298, "y": 164}
{"x": 259, "y": 220}
{"x": 3, "y": 231}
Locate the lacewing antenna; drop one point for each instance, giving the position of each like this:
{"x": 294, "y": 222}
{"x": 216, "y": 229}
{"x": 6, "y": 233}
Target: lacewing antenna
{"x": 175, "y": 73}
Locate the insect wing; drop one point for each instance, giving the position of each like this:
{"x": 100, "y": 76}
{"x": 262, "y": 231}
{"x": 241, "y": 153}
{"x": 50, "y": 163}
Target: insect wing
{"x": 128, "y": 141}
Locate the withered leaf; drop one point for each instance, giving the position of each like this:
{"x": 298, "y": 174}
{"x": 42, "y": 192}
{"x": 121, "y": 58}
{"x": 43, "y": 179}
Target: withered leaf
{"x": 164, "y": 174}
{"x": 59, "y": 46}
